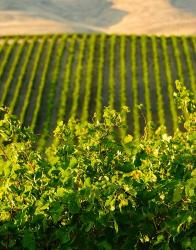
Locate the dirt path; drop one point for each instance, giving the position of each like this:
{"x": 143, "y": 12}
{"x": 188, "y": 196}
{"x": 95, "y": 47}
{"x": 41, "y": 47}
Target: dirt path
{"x": 110, "y": 16}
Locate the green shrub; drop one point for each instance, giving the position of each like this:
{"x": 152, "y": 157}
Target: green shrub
{"x": 91, "y": 190}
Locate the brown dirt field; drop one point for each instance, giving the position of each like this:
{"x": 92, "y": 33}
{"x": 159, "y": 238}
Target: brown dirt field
{"x": 110, "y": 16}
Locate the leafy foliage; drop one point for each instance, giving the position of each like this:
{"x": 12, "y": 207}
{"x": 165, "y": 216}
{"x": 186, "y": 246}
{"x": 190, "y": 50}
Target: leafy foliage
{"x": 91, "y": 190}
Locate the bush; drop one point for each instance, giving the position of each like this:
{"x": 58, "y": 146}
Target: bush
{"x": 91, "y": 190}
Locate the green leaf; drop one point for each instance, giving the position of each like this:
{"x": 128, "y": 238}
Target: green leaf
{"x": 28, "y": 241}
{"x": 90, "y": 225}
{"x": 187, "y": 244}
{"x": 87, "y": 182}
{"x": 63, "y": 236}
{"x": 160, "y": 239}
{"x": 60, "y": 192}
{"x": 116, "y": 226}
{"x": 190, "y": 187}
{"x": 193, "y": 173}
{"x": 128, "y": 139}
{"x": 5, "y": 216}
{"x": 177, "y": 195}
{"x": 105, "y": 245}
{"x": 73, "y": 162}
{"x": 193, "y": 246}
{"x": 73, "y": 205}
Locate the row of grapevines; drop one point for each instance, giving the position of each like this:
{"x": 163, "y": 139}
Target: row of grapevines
{"x": 12, "y": 71}
{"x": 32, "y": 78}
{"x": 52, "y": 92}
{"x": 42, "y": 82}
{"x": 169, "y": 81}
{"x": 136, "y": 123}
{"x": 111, "y": 71}
{"x": 66, "y": 81}
{"x": 194, "y": 43}
{"x": 146, "y": 78}
{"x": 6, "y": 56}
{"x": 177, "y": 58}
{"x": 22, "y": 74}
{"x": 160, "y": 106}
{"x": 123, "y": 79}
{"x": 189, "y": 64}
{"x": 194, "y": 48}
{"x": 89, "y": 75}
{"x": 100, "y": 76}
{"x": 2, "y": 46}
{"x": 78, "y": 74}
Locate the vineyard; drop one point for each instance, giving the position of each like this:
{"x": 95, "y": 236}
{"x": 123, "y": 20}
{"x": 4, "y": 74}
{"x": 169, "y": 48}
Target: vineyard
{"x": 45, "y": 79}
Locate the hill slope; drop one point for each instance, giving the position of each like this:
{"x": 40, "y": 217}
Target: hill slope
{"x": 51, "y": 78}
{"x": 117, "y": 16}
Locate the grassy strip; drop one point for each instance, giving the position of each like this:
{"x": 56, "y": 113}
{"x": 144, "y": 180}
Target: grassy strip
{"x": 160, "y": 105}
{"x": 169, "y": 82}
{"x": 12, "y": 71}
{"x": 100, "y": 76}
{"x": 2, "y": 46}
{"x": 22, "y": 74}
{"x": 6, "y": 56}
{"x": 32, "y": 78}
{"x": 66, "y": 81}
{"x": 79, "y": 66}
{"x": 111, "y": 71}
{"x": 89, "y": 74}
{"x": 177, "y": 58}
{"x": 189, "y": 64}
{"x": 193, "y": 39}
{"x": 146, "y": 78}
{"x": 52, "y": 92}
{"x": 136, "y": 123}
{"x": 42, "y": 82}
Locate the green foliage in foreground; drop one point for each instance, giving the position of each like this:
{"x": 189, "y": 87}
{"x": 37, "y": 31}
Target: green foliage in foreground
{"x": 93, "y": 191}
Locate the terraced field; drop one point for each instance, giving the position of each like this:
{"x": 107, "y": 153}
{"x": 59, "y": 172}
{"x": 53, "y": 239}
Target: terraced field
{"x": 44, "y": 79}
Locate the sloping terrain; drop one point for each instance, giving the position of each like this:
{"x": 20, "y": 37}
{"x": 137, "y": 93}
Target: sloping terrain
{"x": 45, "y": 79}
{"x": 110, "y": 16}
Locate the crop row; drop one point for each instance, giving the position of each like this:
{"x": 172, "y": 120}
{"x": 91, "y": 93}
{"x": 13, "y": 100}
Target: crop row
{"x": 136, "y": 123}
{"x": 78, "y": 74}
{"x": 100, "y": 67}
{"x": 111, "y": 71}
{"x": 66, "y": 81}
{"x": 51, "y": 95}
{"x": 11, "y": 72}
{"x": 160, "y": 105}
{"x": 190, "y": 66}
{"x": 123, "y": 72}
{"x": 146, "y": 78}
{"x": 31, "y": 80}
{"x": 42, "y": 82}
{"x": 6, "y": 56}
{"x": 89, "y": 78}
{"x": 169, "y": 81}
{"x": 22, "y": 75}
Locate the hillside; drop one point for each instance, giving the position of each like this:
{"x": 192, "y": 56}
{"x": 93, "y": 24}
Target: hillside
{"x": 49, "y": 78}
{"x": 117, "y": 16}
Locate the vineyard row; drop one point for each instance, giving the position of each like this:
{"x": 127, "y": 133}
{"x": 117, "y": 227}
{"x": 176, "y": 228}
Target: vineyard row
{"x": 51, "y": 78}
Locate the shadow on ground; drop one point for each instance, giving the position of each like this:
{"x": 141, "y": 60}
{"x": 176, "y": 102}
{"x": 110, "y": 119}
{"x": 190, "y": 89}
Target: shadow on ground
{"x": 185, "y": 5}
{"x": 100, "y": 13}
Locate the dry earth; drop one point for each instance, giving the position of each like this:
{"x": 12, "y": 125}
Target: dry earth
{"x": 110, "y": 16}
